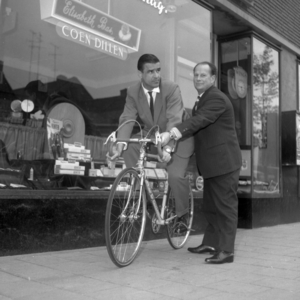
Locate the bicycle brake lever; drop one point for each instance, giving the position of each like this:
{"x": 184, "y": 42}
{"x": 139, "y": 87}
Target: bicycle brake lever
{"x": 111, "y": 137}
{"x": 158, "y": 144}
{"x": 157, "y": 138}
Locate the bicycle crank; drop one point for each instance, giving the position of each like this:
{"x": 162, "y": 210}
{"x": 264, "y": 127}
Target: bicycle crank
{"x": 156, "y": 228}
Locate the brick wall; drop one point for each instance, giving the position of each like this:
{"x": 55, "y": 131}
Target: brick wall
{"x": 283, "y": 16}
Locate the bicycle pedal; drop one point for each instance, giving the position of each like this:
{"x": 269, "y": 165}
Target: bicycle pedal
{"x": 182, "y": 228}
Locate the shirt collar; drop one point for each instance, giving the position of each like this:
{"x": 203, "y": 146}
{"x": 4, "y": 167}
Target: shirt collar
{"x": 155, "y": 90}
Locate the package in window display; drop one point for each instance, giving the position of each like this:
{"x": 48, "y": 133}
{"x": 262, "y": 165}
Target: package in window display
{"x": 70, "y": 172}
{"x": 69, "y": 167}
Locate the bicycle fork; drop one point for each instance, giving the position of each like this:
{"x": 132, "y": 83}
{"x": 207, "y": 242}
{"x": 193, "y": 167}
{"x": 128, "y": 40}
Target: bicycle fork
{"x": 133, "y": 215}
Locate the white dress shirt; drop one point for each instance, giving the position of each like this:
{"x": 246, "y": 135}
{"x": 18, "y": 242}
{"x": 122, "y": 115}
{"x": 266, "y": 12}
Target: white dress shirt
{"x": 154, "y": 92}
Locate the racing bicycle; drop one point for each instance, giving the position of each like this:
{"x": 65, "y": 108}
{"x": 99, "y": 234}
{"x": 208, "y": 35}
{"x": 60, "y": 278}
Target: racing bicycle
{"x": 126, "y": 210}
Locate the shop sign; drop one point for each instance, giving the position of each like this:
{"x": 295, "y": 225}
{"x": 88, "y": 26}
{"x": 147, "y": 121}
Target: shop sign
{"x": 156, "y": 4}
{"x": 91, "y": 20}
{"x": 90, "y": 40}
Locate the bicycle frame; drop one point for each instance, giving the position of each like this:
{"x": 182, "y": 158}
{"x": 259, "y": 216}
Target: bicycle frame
{"x": 126, "y": 214}
{"x": 159, "y": 214}
{"x": 145, "y": 183}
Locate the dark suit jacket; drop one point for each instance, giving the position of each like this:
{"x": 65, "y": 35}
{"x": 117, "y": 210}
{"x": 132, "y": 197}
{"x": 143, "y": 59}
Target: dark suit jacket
{"x": 213, "y": 125}
{"x": 168, "y": 113}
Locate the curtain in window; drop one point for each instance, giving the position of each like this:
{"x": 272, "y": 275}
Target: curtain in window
{"x": 97, "y": 147}
{"x": 28, "y": 141}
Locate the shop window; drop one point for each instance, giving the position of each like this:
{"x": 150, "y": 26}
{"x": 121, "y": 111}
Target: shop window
{"x": 64, "y": 70}
{"x": 235, "y": 82}
{"x": 249, "y": 70}
{"x": 266, "y": 147}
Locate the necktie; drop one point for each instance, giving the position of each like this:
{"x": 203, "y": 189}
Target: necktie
{"x": 196, "y": 103}
{"x": 151, "y": 105}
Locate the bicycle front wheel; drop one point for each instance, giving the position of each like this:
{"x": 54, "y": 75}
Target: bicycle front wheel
{"x": 125, "y": 218}
{"x": 176, "y": 236}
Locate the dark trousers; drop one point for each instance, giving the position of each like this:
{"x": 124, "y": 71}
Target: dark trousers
{"x": 220, "y": 207}
{"x": 176, "y": 176}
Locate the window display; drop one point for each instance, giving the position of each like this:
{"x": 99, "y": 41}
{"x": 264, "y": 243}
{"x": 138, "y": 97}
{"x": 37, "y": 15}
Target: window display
{"x": 235, "y": 72}
{"x": 65, "y": 66}
{"x": 250, "y": 78}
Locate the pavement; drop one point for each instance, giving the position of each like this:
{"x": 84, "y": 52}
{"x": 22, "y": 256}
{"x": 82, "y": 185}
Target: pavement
{"x": 266, "y": 266}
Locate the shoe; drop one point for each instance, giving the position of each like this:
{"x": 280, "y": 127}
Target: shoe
{"x": 181, "y": 224}
{"x": 202, "y": 249}
{"x": 221, "y": 258}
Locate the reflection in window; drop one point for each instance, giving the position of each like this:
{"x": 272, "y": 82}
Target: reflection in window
{"x": 265, "y": 119}
{"x": 251, "y": 82}
{"x": 38, "y": 63}
{"x": 234, "y": 82}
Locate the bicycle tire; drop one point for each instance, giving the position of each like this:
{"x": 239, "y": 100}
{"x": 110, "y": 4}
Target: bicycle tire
{"x": 124, "y": 229}
{"x": 176, "y": 238}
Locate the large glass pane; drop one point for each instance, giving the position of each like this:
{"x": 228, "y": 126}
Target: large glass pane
{"x": 73, "y": 61}
{"x": 266, "y": 146}
{"x": 235, "y": 71}
{"x": 235, "y": 82}
{"x": 193, "y": 45}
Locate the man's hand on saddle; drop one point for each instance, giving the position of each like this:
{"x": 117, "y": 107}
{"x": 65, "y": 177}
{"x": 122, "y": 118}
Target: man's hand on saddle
{"x": 165, "y": 138}
{"x": 166, "y": 156}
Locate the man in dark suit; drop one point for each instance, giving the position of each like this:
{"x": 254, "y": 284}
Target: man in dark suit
{"x": 157, "y": 102}
{"x": 218, "y": 159}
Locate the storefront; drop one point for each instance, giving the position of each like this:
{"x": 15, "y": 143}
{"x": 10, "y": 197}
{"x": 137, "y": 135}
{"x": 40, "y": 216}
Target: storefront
{"x": 65, "y": 66}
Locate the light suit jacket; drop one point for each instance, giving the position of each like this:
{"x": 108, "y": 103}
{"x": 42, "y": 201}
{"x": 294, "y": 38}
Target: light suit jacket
{"x": 168, "y": 113}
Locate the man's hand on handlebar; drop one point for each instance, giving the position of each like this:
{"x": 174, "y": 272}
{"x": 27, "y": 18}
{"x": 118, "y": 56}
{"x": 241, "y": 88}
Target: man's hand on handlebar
{"x": 114, "y": 153}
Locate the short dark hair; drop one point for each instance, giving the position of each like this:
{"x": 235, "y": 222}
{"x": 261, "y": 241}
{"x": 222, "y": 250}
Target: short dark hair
{"x": 213, "y": 68}
{"x": 146, "y": 59}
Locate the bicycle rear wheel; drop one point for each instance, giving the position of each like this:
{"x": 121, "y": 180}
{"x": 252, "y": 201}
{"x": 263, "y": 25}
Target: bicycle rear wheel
{"x": 176, "y": 237}
{"x": 125, "y": 218}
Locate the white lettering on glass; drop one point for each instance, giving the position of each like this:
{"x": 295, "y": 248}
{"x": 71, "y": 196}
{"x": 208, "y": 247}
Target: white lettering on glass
{"x": 156, "y": 4}
{"x": 104, "y": 27}
{"x": 70, "y": 11}
{"x": 92, "y": 41}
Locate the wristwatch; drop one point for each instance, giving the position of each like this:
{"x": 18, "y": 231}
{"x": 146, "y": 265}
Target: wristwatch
{"x": 172, "y": 135}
